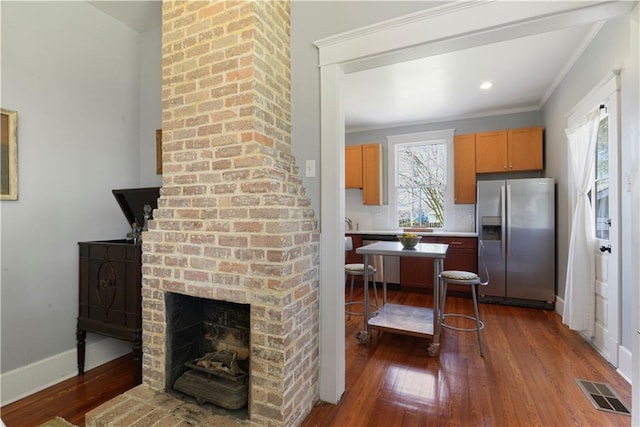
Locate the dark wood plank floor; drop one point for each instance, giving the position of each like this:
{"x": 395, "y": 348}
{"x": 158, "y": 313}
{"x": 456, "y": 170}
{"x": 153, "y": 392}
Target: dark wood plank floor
{"x": 527, "y": 378}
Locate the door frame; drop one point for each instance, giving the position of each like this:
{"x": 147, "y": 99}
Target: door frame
{"x": 440, "y": 29}
{"x": 607, "y": 339}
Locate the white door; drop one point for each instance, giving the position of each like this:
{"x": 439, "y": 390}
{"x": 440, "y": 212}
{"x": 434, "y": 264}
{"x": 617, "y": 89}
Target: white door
{"x": 605, "y": 201}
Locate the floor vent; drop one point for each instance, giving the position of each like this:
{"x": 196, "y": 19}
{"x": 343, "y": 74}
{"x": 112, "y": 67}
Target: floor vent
{"x": 603, "y": 397}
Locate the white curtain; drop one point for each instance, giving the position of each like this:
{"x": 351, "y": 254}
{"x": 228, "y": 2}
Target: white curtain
{"x": 579, "y": 296}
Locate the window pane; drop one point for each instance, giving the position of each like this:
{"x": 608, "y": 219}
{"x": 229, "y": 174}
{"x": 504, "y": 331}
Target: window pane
{"x": 602, "y": 209}
{"x": 602, "y": 150}
{"x": 601, "y": 205}
{"x": 421, "y": 179}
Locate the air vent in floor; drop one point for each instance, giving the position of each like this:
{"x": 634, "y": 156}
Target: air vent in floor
{"x": 603, "y": 397}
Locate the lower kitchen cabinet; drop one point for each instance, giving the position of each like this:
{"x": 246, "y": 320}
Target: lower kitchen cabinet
{"x": 352, "y": 257}
{"x": 417, "y": 273}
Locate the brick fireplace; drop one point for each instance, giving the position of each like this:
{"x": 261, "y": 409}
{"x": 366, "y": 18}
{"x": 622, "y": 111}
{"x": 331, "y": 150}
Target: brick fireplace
{"x": 233, "y": 222}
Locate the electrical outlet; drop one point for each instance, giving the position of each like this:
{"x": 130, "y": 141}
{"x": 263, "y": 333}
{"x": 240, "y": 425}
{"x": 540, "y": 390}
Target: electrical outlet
{"x": 310, "y": 169}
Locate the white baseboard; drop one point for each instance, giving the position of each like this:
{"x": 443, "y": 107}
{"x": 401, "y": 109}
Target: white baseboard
{"x": 26, "y": 380}
{"x": 625, "y": 364}
{"x": 559, "y": 308}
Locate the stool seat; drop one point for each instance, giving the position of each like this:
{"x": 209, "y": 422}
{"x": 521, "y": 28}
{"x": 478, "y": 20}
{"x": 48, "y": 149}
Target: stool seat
{"x": 353, "y": 270}
{"x": 358, "y": 268}
{"x": 460, "y": 276}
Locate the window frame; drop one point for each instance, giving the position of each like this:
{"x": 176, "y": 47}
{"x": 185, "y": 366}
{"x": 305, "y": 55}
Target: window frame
{"x": 393, "y": 141}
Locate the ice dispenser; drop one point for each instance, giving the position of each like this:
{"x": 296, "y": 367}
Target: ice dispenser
{"x": 491, "y": 228}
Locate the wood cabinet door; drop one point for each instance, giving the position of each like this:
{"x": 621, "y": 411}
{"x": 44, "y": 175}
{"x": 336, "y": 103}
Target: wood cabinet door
{"x": 525, "y": 149}
{"x": 491, "y": 152}
{"x": 352, "y": 257}
{"x": 464, "y": 168}
{"x": 371, "y": 174}
{"x": 353, "y": 166}
{"x": 462, "y": 255}
{"x": 417, "y": 273}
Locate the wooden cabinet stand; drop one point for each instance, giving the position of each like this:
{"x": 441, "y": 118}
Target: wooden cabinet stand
{"x": 110, "y": 295}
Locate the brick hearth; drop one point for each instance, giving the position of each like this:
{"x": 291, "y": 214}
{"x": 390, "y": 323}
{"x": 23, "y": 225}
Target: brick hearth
{"x": 233, "y": 222}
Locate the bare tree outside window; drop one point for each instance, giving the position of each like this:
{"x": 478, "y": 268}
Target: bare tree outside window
{"x": 421, "y": 184}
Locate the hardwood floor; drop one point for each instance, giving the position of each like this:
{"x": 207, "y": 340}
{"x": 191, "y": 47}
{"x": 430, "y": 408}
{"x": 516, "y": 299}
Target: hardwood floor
{"x": 527, "y": 378}
{"x": 74, "y": 397}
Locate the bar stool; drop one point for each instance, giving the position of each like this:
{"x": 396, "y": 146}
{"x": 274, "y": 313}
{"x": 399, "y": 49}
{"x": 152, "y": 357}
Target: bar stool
{"x": 467, "y": 278}
{"x": 353, "y": 270}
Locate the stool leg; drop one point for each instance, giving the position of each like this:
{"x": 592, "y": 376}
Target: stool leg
{"x": 443, "y": 298}
{"x": 375, "y": 291}
{"x": 351, "y": 295}
{"x": 475, "y": 308}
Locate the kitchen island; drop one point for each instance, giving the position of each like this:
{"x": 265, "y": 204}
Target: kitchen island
{"x": 410, "y": 272}
{"x": 401, "y": 319}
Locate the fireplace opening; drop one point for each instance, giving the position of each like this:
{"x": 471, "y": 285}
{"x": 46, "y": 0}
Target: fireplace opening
{"x": 207, "y": 352}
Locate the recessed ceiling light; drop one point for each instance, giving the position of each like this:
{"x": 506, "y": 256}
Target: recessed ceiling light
{"x": 486, "y": 85}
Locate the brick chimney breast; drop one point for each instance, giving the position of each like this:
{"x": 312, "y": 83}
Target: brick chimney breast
{"x": 233, "y": 221}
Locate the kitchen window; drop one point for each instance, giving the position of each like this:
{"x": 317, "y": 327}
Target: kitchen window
{"x": 419, "y": 179}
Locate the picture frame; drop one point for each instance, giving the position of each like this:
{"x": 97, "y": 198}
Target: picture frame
{"x": 159, "y": 151}
{"x": 8, "y": 154}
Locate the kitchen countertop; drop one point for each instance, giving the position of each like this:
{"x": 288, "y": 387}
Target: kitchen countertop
{"x": 419, "y": 233}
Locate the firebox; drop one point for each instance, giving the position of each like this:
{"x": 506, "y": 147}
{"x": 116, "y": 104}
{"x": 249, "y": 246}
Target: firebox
{"x": 207, "y": 350}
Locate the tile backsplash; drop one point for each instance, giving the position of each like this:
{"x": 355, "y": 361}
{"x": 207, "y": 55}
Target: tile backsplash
{"x": 363, "y": 217}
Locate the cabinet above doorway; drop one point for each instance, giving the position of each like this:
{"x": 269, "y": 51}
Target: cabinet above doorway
{"x": 502, "y": 151}
{"x": 363, "y": 169}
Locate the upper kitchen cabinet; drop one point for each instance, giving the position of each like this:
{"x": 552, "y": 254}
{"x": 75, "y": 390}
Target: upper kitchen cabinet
{"x": 353, "y": 166}
{"x": 464, "y": 170}
{"x": 509, "y": 150}
{"x": 363, "y": 169}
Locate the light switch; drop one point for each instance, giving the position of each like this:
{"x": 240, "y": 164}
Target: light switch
{"x": 310, "y": 169}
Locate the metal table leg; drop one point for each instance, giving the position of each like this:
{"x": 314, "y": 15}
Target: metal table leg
{"x": 434, "y": 347}
{"x": 363, "y": 335}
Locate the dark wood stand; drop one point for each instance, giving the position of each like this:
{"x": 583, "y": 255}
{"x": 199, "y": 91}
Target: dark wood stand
{"x": 110, "y": 295}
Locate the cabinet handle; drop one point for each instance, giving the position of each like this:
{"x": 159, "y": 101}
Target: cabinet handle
{"x": 106, "y": 283}
{"x": 455, "y": 243}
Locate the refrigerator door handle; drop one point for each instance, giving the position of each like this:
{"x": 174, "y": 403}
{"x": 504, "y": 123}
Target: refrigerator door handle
{"x": 503, "y": 225}
{"x": 508, "y": 221}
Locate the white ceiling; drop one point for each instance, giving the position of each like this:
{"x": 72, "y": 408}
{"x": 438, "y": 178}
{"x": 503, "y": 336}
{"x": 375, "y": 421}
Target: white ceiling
{"x": 141, "y": 15}
{"x": 524, "y": 72}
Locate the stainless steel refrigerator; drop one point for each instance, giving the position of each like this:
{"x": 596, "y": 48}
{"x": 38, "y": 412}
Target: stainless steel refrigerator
{"x": 516, "y": 233}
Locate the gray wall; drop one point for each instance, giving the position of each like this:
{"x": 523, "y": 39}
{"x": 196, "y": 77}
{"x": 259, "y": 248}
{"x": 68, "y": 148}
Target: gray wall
{"x": 312, "y": 21}
{"x": 74, "y": 76}
{"x": 609, "y": 50}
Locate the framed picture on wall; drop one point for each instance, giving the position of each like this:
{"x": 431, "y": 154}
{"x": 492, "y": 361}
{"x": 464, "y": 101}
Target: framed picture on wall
{"x": 8, "y": 155}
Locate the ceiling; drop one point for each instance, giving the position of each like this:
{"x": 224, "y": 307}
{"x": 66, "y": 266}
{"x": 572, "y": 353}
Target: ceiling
{"x": 141, "y": 15}
{"x": 524, "y": 73}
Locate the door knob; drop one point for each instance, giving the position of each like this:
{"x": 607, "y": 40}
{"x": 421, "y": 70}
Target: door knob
{"x": 605, "y": 248}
